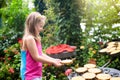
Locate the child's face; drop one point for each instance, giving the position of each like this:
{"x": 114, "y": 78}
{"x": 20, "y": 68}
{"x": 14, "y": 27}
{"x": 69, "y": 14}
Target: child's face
{"x": 40, "y": 26}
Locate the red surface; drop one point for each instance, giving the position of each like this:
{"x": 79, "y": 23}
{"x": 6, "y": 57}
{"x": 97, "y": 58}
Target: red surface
{"x": 60, "y": 48}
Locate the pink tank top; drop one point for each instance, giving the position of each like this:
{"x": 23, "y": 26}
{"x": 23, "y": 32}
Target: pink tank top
{"x": 33, "y": 68}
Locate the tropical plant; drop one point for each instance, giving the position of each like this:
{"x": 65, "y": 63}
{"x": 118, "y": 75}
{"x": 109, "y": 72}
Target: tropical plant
{"x": 10, "y": 63}
{"x": 68, "y": 19}
{"x": 13, "y": 18}
{"x": 100, "y": 20}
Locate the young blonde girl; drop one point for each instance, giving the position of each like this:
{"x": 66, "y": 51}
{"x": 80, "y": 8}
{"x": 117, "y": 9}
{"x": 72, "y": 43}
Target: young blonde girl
{"x": 32, "y": 56}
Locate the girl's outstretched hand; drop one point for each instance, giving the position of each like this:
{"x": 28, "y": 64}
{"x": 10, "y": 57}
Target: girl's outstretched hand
{"x": 57, "y": 63}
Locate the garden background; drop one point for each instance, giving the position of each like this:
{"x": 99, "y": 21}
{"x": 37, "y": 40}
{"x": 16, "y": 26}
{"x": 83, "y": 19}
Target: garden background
{"x": 86, "y": 24}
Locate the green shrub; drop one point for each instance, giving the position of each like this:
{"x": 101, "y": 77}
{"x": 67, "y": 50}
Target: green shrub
{"x": 10, "y": 63}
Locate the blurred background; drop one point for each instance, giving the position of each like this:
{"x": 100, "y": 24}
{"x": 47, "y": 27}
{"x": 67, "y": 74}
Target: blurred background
{"x": 86, "y": 24}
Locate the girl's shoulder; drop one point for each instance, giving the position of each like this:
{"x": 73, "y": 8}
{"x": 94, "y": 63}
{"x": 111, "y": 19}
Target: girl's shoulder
{"x": 28, "y": 37}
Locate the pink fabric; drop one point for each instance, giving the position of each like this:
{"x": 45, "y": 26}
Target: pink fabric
{"x": 33, "y": 68}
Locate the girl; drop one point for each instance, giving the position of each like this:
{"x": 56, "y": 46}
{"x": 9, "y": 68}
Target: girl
{"x": 31, "y": 51}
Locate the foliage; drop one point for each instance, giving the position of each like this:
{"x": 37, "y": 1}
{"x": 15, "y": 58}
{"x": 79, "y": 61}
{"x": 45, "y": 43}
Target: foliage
{"x": 13, "y": 18}
{"x": 14, "y": 15}
{"x": 50, "y": 34}
{"x": 58, "y": 28}
{"x": 69, "y": 20}
{"x": 2, "y": 3}
{"x": 88, "y": 51}
{"x": 49, "y": 38}
{"x": 40, "y": 6}
{"x": 7, "y": 38}
{"x": 62, "y": 26}
{"x": 10, "y": 63}
{"x": 53, "y": 73}
{"x": 100, "y": 19}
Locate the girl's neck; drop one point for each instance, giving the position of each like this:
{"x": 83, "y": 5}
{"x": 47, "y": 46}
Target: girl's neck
{"x": 37, "y": 34}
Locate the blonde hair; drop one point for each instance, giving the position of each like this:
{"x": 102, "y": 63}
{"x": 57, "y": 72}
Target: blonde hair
{"x": 32, "y": 20}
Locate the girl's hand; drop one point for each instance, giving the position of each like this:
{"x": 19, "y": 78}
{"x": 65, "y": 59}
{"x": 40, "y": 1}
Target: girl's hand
{"x": 57, "y": 63}
{"x": 59, "y": 60}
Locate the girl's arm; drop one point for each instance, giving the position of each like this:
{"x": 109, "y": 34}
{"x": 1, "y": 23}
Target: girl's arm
{"x": 31, "y": 46}
{"x": 46, "y": 56}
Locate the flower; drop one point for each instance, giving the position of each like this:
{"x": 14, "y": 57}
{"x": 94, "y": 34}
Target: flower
{"x": 16, "y": 52}
{"x": 5, "y": 51}
{"x": 60, "y": 48}
{"x": 49, "y": 35}
{"x": 91, "y": 49}
{"x": 82, "y": 47}
{"x": 20, "y": 41}
{"x": 11, "y": 70}
{"x": 68, "y": 71}
{"x": 9, "y": 58}
{"x": 94, "y": 52}
{"x": 101, "y": 43}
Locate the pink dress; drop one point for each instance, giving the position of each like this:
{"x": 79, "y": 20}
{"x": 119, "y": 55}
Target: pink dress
{"x": 30, "y": 68}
